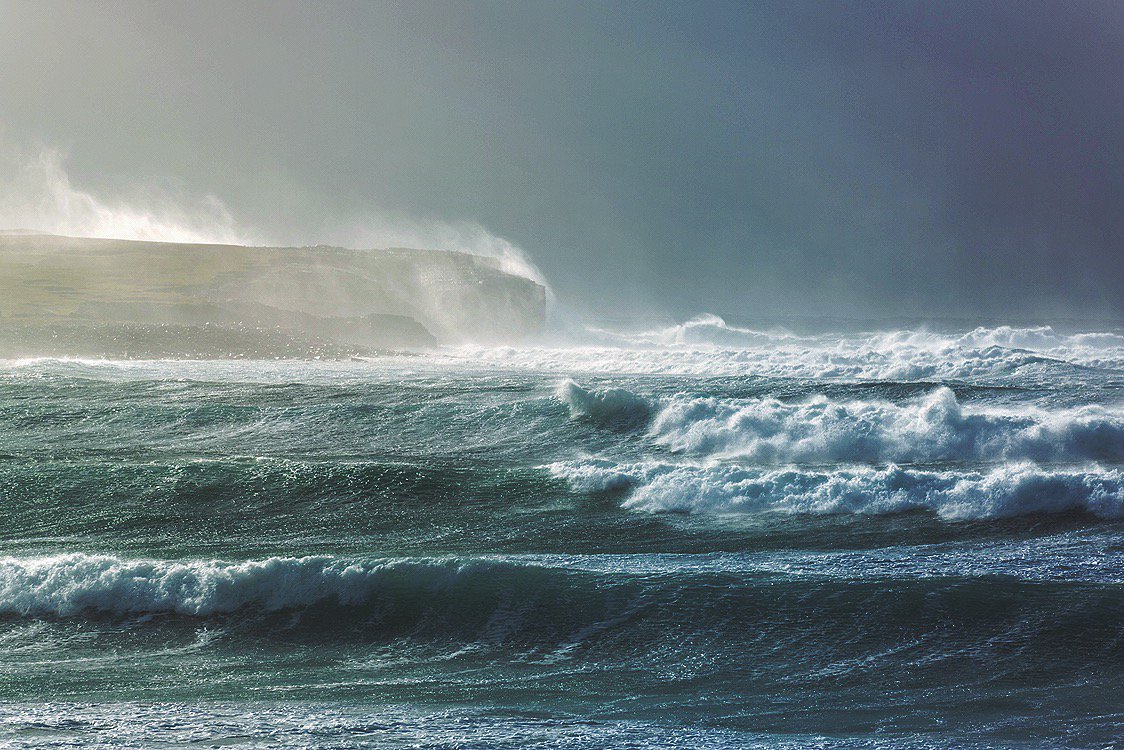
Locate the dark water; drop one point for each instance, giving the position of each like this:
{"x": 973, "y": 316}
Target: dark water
{"x": 694, "y": 544}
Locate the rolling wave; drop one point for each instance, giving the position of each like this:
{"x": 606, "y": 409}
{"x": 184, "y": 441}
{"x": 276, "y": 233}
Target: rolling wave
{"x": 544, "y": 590}
{"x": 468, "y": 527}
{"x": 613, "y": 407}
{"x": 75, "y": 583}
{"x": 1004, "y": 491}
{"x": 936, "y": 428}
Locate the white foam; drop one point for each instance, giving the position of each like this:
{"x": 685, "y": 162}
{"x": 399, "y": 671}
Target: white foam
{"x": 1008, "y": 490}
{"x": 934, "y": 428}
{"x": 69, "y": 584}
{"x": 903, "y": 356}
{"x": 707, "y": 346}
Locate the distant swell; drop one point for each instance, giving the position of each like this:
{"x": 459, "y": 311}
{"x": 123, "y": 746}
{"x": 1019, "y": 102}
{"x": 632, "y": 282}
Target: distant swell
{"x": 936, "y": 428}
{"x": 1004, "y": 491}
{"x": 709, "y": 347}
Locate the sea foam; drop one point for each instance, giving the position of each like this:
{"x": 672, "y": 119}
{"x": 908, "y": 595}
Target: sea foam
{"x": 1003, "y": 491}
{"x": 69, "y": 584}
{"x": 935, "y": 428}
{"x": 708, "y": 346}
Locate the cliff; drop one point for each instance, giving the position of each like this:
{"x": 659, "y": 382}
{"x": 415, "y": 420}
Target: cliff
{"x": 64, "y": 296}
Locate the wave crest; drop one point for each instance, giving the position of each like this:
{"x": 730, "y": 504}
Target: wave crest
{"x": 69, "y": 584}
{"x": 609, "y": 407}
{"x": 1006, "y": 491}
{"x": 934, "y": 428}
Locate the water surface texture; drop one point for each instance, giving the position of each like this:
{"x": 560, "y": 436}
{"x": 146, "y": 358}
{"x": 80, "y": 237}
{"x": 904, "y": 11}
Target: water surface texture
{"x": 700, "y": 536}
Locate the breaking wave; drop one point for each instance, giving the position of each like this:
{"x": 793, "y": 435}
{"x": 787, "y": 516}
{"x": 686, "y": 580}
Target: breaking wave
{"x": 804, "y": 361}
{"x": 70, "y": 584}
{"x": 550, "y": 597}
{"x": 709, "y": 347}
{"x": 611, "y": 407}
{"x": 1005, "y": 491}
{"x": 936, "y": 428}
{"x": 712, "y": 331}
{"x": 702, "y": 330}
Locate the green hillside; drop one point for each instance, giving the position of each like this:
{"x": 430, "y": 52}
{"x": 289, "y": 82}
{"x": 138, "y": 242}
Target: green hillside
{"x": 62, "y": 296}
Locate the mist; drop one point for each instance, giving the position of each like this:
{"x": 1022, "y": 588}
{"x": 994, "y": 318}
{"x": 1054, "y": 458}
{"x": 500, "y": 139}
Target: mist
{"x": 38, "y": 195}
{"x": 751, "y": 160}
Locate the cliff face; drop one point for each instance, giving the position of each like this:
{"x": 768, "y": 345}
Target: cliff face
{"x": 83, "y": 297}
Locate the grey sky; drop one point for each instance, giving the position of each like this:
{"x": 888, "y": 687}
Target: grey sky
{"x": 744, "y": 158}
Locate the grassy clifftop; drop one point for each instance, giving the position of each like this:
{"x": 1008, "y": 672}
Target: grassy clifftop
{"x": 72, "y": 296}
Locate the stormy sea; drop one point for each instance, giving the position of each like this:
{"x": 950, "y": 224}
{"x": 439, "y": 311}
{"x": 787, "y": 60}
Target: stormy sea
{"x": 700, "y": 535}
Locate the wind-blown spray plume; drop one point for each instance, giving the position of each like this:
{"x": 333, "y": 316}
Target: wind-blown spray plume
{"x": 37, "y": 194}
{"x": 387, "y": 230}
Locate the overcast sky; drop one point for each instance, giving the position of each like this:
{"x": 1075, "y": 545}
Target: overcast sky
{"x": 748, "y": 159}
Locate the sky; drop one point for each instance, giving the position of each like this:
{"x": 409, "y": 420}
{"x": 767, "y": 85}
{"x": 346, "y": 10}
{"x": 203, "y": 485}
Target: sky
{"x": 861, "y": 159}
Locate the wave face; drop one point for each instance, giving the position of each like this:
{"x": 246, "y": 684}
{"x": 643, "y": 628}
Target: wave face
{"x": 699, "y": 534}
{"x": 610, "y": 407}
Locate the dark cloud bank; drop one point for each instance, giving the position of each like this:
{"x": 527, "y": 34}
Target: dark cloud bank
{"x": 752, "y": 159}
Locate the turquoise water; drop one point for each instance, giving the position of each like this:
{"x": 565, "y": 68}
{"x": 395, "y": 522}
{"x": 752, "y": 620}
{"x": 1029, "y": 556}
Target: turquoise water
{"x": 746, "y": 540}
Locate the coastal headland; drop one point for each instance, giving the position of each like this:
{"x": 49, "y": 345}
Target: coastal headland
{"x": 67, "y": 296}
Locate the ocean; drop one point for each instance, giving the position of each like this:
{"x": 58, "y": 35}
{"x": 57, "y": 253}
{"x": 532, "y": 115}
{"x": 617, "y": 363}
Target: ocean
{"x": 697, "y": 536}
